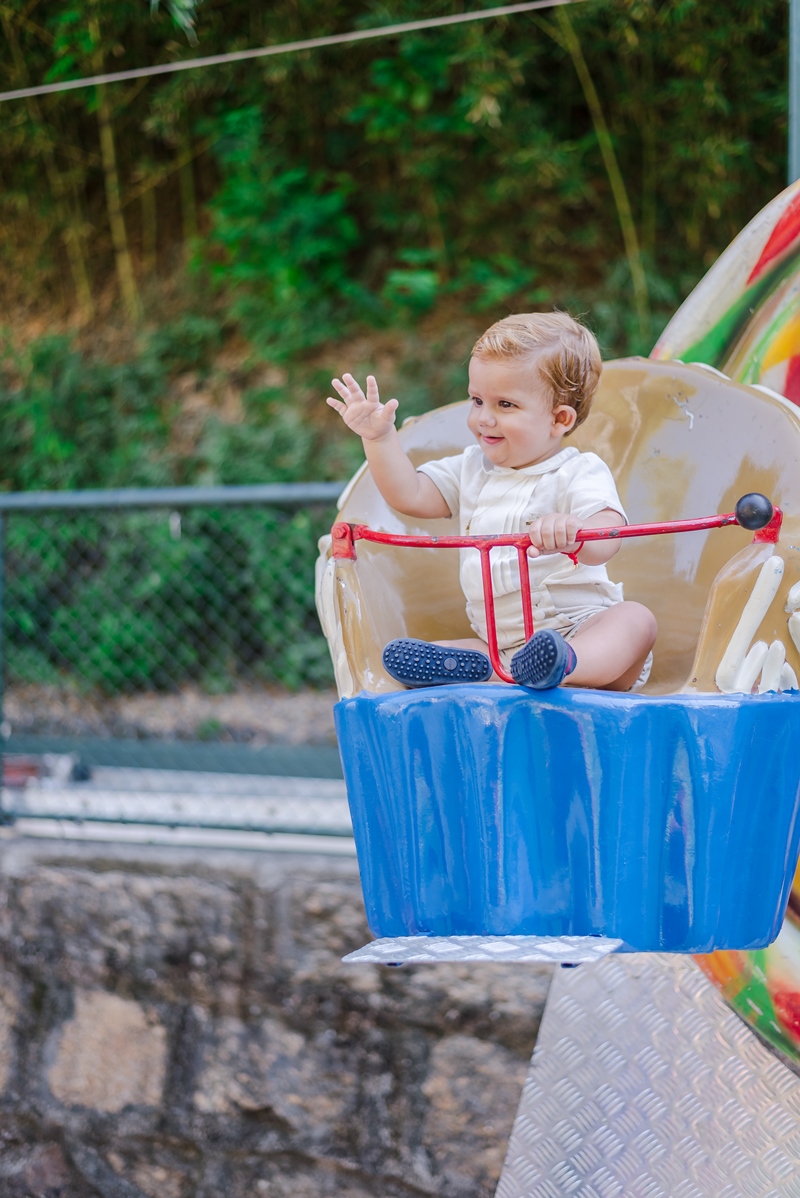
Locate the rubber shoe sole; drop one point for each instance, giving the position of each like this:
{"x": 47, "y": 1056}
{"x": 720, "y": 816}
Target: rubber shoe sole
{"x": 544, "y": 662}
{"x": 419, "y": 663}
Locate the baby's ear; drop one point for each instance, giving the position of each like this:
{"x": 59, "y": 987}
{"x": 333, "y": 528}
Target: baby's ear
{"x": 564, "y": 417}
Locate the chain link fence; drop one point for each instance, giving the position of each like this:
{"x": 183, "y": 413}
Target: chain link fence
{"x": 122, "y": 610}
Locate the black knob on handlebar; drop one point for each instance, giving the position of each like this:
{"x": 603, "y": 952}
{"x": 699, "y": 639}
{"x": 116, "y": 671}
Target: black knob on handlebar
{"x": 753, "y": 511}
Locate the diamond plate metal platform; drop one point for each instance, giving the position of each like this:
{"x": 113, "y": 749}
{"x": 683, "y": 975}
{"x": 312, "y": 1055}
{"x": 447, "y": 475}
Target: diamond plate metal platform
{"x": 420, "y": 950}
{"x": 644, "y": 1084}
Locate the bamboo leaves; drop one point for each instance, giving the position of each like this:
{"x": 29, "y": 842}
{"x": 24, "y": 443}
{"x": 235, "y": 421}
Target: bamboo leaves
{"x": 600, "y": 158}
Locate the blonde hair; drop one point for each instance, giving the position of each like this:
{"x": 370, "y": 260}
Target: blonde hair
{"x": 564, "y": 352}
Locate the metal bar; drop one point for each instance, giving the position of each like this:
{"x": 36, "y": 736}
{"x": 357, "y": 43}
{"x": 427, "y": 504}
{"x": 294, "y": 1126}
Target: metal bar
{"x": 794, "y": 91}
{"x": 195, "y": 838}
{"x": 361, "y": 532}
{"x": 525, "y": 587}
{"x": 344, "y": 536}
{"x": 312, "y": 43}
{"x": 11, "y": 814}
{"x": 183, "y": 799}
{"x": 278, "y": 494}
{"x": 491, "y": 623}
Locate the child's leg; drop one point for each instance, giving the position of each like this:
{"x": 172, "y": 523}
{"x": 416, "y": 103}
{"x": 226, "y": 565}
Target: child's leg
{"x": 612, "y": 647}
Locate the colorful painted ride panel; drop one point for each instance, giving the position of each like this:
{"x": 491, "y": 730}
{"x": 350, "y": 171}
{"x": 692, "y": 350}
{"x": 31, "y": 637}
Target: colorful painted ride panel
{"x": 764, "y": 986}
{"x": 744, "y": 318}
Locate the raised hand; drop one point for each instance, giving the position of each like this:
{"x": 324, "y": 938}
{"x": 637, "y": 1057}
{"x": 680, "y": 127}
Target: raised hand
{"x": 364, "y": 414}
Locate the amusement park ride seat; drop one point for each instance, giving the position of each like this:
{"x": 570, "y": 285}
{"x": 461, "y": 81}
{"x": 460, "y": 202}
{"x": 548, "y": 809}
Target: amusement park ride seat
{"x": 665, "y": 820}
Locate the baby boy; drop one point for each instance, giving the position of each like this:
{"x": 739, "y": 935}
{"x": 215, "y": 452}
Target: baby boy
{"x": 531, "y": 382}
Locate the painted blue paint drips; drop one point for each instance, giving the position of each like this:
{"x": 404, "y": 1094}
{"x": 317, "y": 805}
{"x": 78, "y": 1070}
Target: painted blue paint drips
{"x": 669, "y": 822}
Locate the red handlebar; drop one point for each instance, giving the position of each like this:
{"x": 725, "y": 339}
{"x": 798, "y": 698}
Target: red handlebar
{"x": 344, "y": 536}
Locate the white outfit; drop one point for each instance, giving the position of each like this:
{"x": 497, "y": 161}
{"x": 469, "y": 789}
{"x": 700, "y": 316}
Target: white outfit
{"x": 489, "y": 499}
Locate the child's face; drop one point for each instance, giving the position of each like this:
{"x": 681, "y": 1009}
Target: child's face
{"x": 512, "y": 415}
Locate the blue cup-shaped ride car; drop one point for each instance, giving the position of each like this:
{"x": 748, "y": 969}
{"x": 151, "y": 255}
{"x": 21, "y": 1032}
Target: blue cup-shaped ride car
{"x": 665, "y": 820}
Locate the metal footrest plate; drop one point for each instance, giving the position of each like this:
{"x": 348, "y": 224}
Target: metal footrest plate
{"x": 405, "y": 950}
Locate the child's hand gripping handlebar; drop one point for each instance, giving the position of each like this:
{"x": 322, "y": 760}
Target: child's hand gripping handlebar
{"x": 753, "y": 512}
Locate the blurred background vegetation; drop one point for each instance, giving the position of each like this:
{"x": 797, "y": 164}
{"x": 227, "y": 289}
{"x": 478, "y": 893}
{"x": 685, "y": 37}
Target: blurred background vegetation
{"x": 186, "y": 260}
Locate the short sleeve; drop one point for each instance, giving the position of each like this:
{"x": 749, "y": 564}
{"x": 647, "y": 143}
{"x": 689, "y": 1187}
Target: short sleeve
{"x": 446, "y": 474}
{"x": 591, "y": 489}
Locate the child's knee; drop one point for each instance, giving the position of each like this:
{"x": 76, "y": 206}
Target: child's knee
{"x": 644, "y": 622}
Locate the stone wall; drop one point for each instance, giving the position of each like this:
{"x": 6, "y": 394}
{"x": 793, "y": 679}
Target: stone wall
{"x": 178, "y": 1024}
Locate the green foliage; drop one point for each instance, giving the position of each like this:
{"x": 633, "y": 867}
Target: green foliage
{"x": 370, "y": 182}
{"x": 186, "y": 344}
{"x": 608, "y": 310}
{"x": 280, "y": 242}
{"x": 499, "y": 281}
{"x": 72, "y": 421}
{"x": 367, "y": 207}
{"x": 183, "y": 13}
{"x": 75, "y": 419}
{"x": 414, "y": 285}
{"x": 130, "y": 600}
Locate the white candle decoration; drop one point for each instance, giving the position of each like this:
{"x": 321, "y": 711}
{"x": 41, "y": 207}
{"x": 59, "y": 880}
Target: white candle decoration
{"x": 788, "y": 678}
{"x": 794, "y": 629}
{"x": 793, "y": 598}
{"x": 773, "y": 667}
{"x": 764, "y": 590}
{"x": 750, "y": 668}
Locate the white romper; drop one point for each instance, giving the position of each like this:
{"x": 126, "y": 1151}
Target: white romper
{"x": 489, "y": 499}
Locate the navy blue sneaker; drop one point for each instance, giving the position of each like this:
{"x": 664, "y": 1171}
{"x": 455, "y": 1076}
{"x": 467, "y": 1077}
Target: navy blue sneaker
{"x": 544, "y": 662}
{"x": 420, "y": 663}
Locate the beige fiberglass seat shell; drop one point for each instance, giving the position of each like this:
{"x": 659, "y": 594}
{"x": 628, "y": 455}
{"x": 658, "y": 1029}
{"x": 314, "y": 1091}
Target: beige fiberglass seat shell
{"x": 682, "y": 441}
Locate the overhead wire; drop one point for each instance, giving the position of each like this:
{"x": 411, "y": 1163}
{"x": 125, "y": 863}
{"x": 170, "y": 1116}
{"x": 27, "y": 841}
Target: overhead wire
{"x": 313, "y": 43}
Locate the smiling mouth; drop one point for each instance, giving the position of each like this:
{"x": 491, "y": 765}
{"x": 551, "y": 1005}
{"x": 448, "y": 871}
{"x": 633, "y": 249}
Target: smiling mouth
{"x": 492, "y": 440}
